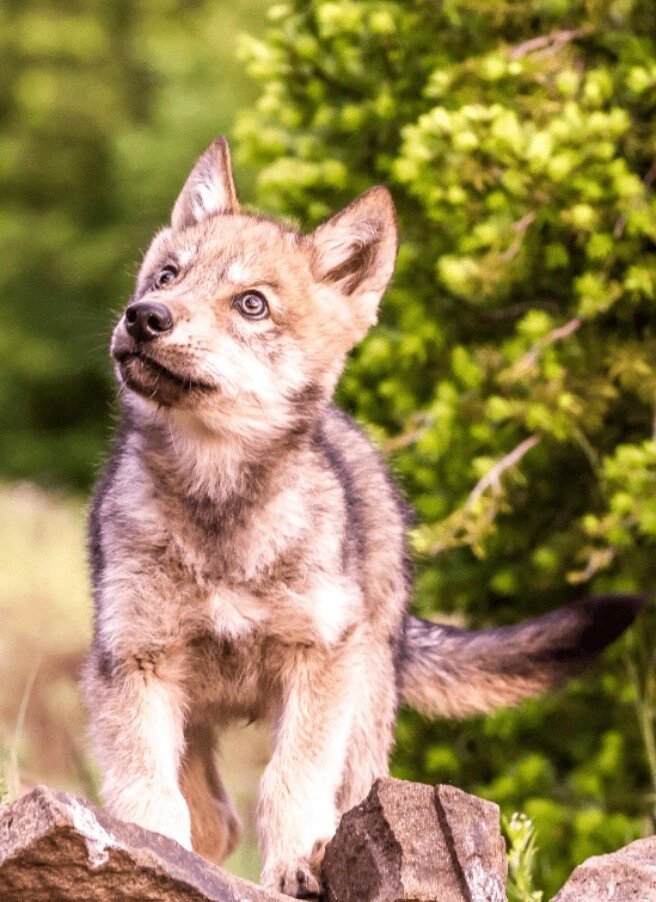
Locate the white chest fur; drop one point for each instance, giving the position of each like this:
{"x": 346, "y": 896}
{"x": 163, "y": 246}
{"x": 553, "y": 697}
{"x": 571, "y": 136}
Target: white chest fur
{"x": 319, "y": 616}
{"x": 235, "y": 614}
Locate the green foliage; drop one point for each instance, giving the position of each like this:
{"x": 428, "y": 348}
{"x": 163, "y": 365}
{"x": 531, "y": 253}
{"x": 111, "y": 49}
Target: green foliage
{"x": 522, "y": 851}
{"x": 512, "y": 376}
{"x": 103, "y": 106}
{"x": 641, "y": 664}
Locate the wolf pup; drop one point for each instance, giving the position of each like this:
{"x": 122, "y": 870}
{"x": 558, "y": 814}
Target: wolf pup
{"x": 248, "y": 547}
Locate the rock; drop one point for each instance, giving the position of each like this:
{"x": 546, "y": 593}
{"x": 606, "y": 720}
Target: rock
{"x": 54, "y": 847}
{"x": 628, "y": 875}
{"x": 408, "y": 841}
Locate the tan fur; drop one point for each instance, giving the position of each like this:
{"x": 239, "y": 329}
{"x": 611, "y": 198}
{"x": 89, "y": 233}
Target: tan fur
{"x": 247, "y": 545}
{"x": 215, "y": 827}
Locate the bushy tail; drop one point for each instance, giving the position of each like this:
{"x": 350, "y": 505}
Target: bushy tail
{"x": 455, "y": 672}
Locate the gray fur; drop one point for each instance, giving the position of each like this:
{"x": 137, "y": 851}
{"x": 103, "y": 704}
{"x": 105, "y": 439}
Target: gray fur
{"x": 248, "y": 546}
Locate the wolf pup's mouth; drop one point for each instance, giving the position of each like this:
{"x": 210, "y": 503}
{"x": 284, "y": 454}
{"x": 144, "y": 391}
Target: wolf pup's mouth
{"x": 154, "y": 380}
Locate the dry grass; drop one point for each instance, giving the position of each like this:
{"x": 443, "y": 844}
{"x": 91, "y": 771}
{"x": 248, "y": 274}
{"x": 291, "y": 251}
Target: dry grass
{"x": 45, "y": 612}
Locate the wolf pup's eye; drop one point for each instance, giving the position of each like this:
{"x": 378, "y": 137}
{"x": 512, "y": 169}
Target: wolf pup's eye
{"x": 165, "y": 276}
{"x": 252, "y": 305}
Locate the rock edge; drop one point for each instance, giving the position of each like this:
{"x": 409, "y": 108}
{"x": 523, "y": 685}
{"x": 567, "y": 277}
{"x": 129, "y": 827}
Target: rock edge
{"x": 54, "y": 846}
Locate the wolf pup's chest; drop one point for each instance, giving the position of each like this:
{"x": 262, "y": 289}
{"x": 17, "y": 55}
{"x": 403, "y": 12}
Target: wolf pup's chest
{"x": 239, "y": 538}
{"x": 253, "y": 572}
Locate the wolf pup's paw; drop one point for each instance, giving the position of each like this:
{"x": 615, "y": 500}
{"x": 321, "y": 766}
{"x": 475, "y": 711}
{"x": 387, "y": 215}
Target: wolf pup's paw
{"x": 295, "y": 879}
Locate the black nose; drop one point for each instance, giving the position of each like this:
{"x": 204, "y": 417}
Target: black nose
{"x": 145, "y": 320}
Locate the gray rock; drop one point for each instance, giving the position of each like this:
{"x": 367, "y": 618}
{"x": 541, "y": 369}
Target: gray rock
{"x": 54, "y": 847}
{"x": 628, "y": 875}
{"x": 408, "y": 841}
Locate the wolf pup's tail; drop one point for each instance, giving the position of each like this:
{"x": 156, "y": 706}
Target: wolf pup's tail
{"x": 455, "y": 672}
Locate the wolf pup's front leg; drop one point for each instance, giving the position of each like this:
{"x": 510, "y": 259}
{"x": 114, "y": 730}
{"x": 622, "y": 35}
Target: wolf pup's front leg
{"x": 297, "y": 807}
{"x": 136, "y": 715}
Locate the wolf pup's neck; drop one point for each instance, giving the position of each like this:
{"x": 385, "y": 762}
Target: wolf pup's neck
{"x": 192, "y": 461}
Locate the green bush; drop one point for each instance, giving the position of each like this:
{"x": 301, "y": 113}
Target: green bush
{"x": 513, "y": 373}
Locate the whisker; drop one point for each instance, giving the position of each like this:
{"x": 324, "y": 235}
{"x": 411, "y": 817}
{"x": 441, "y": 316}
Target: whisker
{"x": 120, "y": 388}
{"x": 155, "y": 412}
{"x": 154, "y": 391}
{"x": 175, "y": 447}
{"x": 94, "y": 350}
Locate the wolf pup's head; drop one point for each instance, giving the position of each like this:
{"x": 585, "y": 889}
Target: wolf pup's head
{"x": 238, "y": 321}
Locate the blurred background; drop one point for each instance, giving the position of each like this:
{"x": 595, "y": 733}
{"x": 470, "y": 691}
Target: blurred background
{"x": 511, "y": 380}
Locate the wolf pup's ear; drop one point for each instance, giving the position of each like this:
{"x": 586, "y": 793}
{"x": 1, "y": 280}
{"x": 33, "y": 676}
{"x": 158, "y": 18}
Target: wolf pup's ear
{"x": 354, "y": 253}
{"x": 210, "y": 188}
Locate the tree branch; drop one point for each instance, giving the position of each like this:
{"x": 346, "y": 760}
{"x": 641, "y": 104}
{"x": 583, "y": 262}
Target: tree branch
{"x": 492, "y": 479}
{"x": 550, "y": 43}
{"x": 531, "y": 357}
{"x": 416, "y": 427}
{"x": 520, "y": 227}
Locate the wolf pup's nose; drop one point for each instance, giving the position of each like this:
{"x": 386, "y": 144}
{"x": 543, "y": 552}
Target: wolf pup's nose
{"x": 145, "y": 320}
